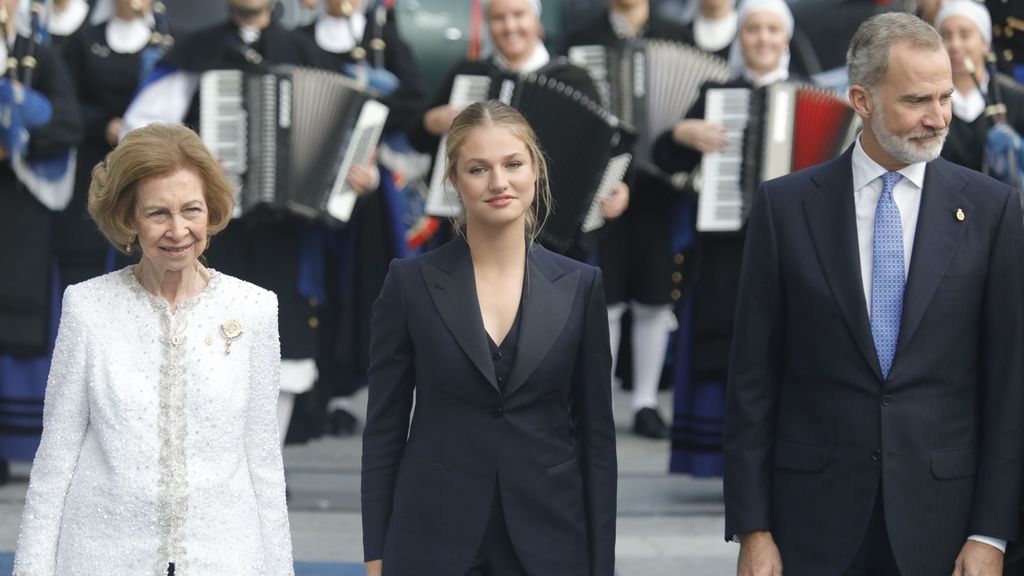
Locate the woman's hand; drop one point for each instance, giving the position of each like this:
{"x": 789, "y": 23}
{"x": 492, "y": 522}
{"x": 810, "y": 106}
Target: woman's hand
{"x": 700, "y": 135}
{"x": 374, "y": 567}
{"x": 363, "y": 179}
{"x": 114, "y": 130}
{"x": 614, "y": 205}
{"x": 438, "y": 120}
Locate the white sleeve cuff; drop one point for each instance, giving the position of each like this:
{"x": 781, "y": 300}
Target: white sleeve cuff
{"x": 993, "y": 542}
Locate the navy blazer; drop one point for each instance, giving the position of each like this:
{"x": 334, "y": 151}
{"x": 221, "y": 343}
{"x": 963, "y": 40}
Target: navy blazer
{"x": 812, "y": 429}
{"x": 547, "y": 442}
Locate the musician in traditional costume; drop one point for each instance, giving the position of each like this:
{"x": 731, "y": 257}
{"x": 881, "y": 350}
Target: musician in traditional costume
{"x": 759, "y": 57}
{"x": 966, "y": 29}
{"x": 273, "y": 250}
{"x": 507, "y": 465}
{"x": 106, "y": 66}
{"x": 359, "y": 38}
{"x": 1008, "y": 35}
{"x": 41, "y": 124}
{"x": 637, "y": 255}
{"x": 714, "y": 26}
{"x": 516, "y": 31}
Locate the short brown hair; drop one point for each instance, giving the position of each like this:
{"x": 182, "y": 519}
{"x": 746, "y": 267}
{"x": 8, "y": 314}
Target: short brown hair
{"x": 495, "y": 113}
{"x": 153, "y": 151}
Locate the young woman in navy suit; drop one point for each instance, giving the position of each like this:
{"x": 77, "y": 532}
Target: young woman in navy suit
{"x": 507, "y": 466}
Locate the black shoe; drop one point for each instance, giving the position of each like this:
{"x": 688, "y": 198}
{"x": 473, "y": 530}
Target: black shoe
{"x": 342, "y": 423}
{"x": 5, "y": 472}
{"x": 648, "y": 423}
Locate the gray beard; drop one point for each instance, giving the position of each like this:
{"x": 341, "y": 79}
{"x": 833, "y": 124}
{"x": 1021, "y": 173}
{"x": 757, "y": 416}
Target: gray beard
{"x": 903, "y": 148}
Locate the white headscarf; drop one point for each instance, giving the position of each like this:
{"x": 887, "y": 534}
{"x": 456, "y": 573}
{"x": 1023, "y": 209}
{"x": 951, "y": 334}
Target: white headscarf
{"x": 977, "y": 13}
{"x": 737, "y": 62}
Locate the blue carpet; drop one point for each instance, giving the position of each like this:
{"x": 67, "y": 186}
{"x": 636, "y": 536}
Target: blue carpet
{"x": 301, "y": 568}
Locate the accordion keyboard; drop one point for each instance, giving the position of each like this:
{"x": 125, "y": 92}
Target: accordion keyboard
{"x": 441, "y": 198}
{"x": 223, "y": 122}
{"x": 720, "y": 208}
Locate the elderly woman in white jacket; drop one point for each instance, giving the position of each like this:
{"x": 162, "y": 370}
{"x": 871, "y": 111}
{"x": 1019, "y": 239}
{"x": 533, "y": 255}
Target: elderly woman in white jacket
{"x": 160, "y": 450}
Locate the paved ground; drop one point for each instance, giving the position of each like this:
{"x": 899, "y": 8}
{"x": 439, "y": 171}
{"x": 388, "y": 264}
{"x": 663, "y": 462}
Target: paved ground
{"x": 668, "y": 525}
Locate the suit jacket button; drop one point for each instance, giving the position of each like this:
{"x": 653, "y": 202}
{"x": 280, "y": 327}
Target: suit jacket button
{"x": 499, "y": 412}
{"x": 886, "y": 400}
{"x": 876, "y": 455}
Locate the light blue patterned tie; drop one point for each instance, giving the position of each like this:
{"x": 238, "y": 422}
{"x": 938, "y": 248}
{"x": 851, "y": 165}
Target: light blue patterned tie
{"x": 887, "y": 274}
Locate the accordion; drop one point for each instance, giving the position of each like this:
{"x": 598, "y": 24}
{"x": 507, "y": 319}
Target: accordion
{"x": 770, "y": 132}
{"x": 587, "y": 151}
{"x": 649, "y": 84}
{"x": 290, "y": 136}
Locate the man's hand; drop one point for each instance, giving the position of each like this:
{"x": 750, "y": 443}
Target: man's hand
{"x": 759, "y": 556}
{"x": 616, "y": 203}
{"x": 978, "y": 559}
{"x": 114, "y": 130}
{"x": 3, "y": 153}
{"x": 438, "y": 120}
{"x": 374, "y": 567}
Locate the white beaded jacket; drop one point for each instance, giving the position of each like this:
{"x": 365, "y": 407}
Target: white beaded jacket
{"x": 160, "y": 441}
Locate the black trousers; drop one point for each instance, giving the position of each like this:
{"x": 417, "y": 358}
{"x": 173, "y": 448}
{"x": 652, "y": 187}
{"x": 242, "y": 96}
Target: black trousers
{"x": 497, "y": 556}
{"x": 170, "y": 569}
{"x": 874, "y": 558}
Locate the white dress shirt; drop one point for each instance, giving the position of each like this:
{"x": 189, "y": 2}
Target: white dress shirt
{"x": 867, "y": 188}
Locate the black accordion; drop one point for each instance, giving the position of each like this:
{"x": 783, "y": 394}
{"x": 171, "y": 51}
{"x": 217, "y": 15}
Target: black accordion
{"x": 587, "y": 149}
{"x": 649, "y": 84}
{"x": 771, "y": 132}
{"x": 290, "y": 136}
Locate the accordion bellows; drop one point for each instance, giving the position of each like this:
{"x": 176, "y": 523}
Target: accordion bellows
{"x": 289, "y": 136}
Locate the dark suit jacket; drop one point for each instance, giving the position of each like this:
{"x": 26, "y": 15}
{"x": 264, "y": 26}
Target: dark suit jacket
{"x": 547, "y": 442}
{"x": 812, "y": 430}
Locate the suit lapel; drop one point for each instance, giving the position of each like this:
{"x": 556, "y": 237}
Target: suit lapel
{"x": 548, "y": 298}
{"x": 937, "y": 238}
{"x": 452, "y": 286}
{"x": 832, "y": 220}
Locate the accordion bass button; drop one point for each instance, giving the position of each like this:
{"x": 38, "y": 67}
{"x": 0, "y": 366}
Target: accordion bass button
{"x": 676, "y": 295}
{"x": 679, "y": 258}
{"x": 677, "y": 277}
{"x": 314, "y": 322}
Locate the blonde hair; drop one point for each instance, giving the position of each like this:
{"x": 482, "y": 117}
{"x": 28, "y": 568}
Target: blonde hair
{"x": 154, "y": 151}
{"x": 494, "y": 113}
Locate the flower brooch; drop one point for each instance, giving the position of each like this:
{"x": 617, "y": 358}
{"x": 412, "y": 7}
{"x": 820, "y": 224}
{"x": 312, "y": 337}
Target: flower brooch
{"x": 231, "y": 330}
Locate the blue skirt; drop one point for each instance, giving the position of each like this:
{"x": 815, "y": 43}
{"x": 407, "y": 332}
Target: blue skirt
{"x": 22, "y": 389}
{"x": 698, "y": 408}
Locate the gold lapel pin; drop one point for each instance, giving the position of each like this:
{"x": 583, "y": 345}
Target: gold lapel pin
{"x": 231, "y": 330}
{"x": 959, "y": 214}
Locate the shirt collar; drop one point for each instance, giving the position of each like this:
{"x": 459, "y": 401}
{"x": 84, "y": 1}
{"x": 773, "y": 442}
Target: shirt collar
{"x": 339, "y": 35}
{"x": 866, "y": 170}
{"x": 538, "y": 59}
{"x": 128, "y": 36}
{"x": 64, "y": 23}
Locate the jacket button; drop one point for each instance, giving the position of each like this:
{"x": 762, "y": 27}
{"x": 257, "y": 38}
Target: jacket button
{"x": 876, "y": 455}
{"x": 886, "y": 400}
{"x": 499, "y": 412}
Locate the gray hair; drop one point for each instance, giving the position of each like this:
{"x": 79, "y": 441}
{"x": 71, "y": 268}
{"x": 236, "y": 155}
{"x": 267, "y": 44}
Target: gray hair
{"x": 867, "y": 60}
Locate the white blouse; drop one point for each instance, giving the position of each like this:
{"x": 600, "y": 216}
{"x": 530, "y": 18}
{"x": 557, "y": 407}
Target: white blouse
{"x": 160, "y": 439}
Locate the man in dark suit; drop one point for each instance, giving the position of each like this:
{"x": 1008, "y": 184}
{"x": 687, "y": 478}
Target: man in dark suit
{"x": 874, "y": 395}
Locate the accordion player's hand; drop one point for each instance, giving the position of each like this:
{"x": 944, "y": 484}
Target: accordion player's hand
{"x": 438, "y": 120}
{"x": 113, "y": 132}
{"x": 363, "y": 179}
{"x": 3, "y": 152}
{"x": 701, "y": 135}
{"x": 615, "y": 203}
